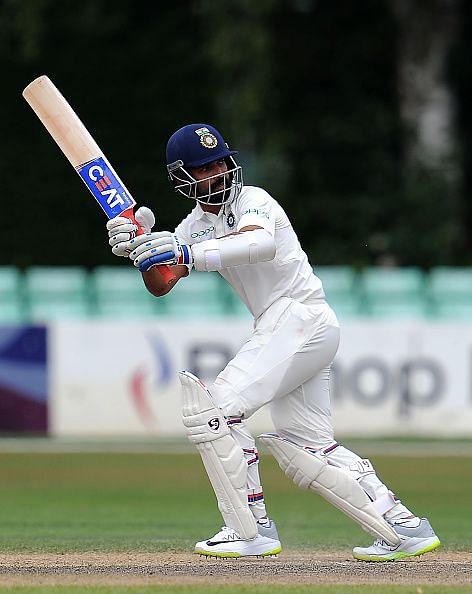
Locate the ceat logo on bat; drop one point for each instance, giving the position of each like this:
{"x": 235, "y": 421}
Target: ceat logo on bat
{"x": 106, "y": 187}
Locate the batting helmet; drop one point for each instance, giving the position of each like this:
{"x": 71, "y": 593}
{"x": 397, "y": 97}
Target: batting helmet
{"x": 196, "y": 145}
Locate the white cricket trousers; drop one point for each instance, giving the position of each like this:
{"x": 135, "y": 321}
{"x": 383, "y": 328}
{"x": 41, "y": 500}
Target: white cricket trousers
{"x": 286, "y": 364}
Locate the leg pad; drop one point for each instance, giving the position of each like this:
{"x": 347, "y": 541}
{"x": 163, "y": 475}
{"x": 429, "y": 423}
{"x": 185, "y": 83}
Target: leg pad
{"x": 223, "y": 459}
{"x": 312, "y": 471}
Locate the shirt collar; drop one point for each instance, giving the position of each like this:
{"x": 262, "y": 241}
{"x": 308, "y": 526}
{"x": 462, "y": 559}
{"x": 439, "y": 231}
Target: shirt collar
{"x": 209, "y": 216}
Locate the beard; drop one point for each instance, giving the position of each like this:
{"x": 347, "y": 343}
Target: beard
{"x": 219, "y": 197}
{"x": 218, "y": 191}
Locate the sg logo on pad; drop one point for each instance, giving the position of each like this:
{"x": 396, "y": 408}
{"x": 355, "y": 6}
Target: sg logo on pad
{"x": 214, "y": 424}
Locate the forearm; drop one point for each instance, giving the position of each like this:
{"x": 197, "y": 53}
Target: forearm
{"x": 125, "y": 243}
{"x": 155, "y": 283}
{"x": 250, "y": 246}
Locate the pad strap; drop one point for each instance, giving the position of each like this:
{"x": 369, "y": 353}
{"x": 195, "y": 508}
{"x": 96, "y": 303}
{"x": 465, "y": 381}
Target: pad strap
{"x": 385, "y": 503}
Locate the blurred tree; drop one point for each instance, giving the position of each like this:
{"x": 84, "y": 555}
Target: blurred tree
{"x": 241, "y": 52}
{"x": 338, "y": 118}
{"x": 426, "y": 32}
{"x": 314, "y": 94}
{"x": 428, "y": 229}
{"x": 307, "y": 90}
{"x": 460, "y": 75}
{"x": 130, "y": 73}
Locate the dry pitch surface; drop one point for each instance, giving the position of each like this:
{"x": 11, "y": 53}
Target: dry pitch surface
{"x": 315, "y": 567}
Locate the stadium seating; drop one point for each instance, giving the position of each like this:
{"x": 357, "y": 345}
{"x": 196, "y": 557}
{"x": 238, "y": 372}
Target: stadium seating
{"x": 393, "y": 292}
{"x": 235, "y": 307}
{"x": 56, "y": 292}
{"x": 11, "y": 296}
{"x": 40, "y": 294}
{"x": 199, "y": 294}
{"x": 340, "y": 286}
{"x": 119, "y": 292}
{"x": 450, "y": 292}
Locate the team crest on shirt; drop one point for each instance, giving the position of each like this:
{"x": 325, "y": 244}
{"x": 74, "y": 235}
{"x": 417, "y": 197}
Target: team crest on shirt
{"x": 207, "y": 139}
{"x": 230, "y": 220}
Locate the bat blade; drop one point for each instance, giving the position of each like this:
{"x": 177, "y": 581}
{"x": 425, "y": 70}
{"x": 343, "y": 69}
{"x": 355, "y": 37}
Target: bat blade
{"x": 61, "y": 121}
{"x": 83, "y": 153}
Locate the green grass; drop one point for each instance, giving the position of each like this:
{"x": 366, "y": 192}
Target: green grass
{"x": 146, "y": 502}
{"x": 160, "y": 502}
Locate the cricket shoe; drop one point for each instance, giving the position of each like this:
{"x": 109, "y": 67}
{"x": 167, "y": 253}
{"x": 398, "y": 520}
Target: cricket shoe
{"x": 415, "y": 541}
{"x": 228, "y": 543}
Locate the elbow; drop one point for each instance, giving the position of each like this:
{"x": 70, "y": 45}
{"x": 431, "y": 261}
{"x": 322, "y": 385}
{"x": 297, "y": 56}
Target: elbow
{"x": 272, "y": 250}
{"x": 157, "y": 292}
{"x": 157, "y": 285}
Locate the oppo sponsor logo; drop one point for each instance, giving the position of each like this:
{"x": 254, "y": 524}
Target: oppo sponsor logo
{"x": 203, "y": 233}
{"x": 256, "y": 211}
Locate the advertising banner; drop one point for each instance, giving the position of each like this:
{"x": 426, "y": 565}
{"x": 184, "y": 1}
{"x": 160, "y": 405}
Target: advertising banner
{"x": 389, "y": 378}
{"x": 23, "y": 379}
{"x": 122, "y": 378}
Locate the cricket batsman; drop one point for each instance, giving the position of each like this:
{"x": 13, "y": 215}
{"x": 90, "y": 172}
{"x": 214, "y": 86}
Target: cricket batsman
{"x": 245, "y": 235}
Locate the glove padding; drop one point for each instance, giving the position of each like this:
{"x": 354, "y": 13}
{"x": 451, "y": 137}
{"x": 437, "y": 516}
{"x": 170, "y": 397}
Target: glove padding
{"x": 121, "y": 230}
{"x": 160, "y": 247}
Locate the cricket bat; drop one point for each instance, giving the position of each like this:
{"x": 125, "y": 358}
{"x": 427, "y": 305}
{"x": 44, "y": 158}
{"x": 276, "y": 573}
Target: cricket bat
{"x": 84, "y": 154}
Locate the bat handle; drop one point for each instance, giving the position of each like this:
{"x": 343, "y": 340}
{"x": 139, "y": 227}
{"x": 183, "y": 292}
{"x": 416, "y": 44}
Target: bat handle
{"x": 164, "y": 271}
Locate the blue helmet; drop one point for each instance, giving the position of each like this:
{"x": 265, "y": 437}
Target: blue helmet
{"x": 196, "y": 145}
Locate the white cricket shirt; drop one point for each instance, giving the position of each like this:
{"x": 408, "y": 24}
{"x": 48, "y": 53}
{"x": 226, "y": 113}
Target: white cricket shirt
{"x": 289, "y": 274}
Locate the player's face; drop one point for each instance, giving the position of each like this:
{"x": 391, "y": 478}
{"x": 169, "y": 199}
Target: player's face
{"x": 212, "y": 176}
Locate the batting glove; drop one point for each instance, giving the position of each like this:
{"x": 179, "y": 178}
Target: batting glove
{"x": 160, "y": 247}
{"x": 121, "y": 230}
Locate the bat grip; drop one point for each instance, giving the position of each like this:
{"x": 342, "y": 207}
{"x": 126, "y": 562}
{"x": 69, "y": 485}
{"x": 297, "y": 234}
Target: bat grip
{"x": 164, "y": 271}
